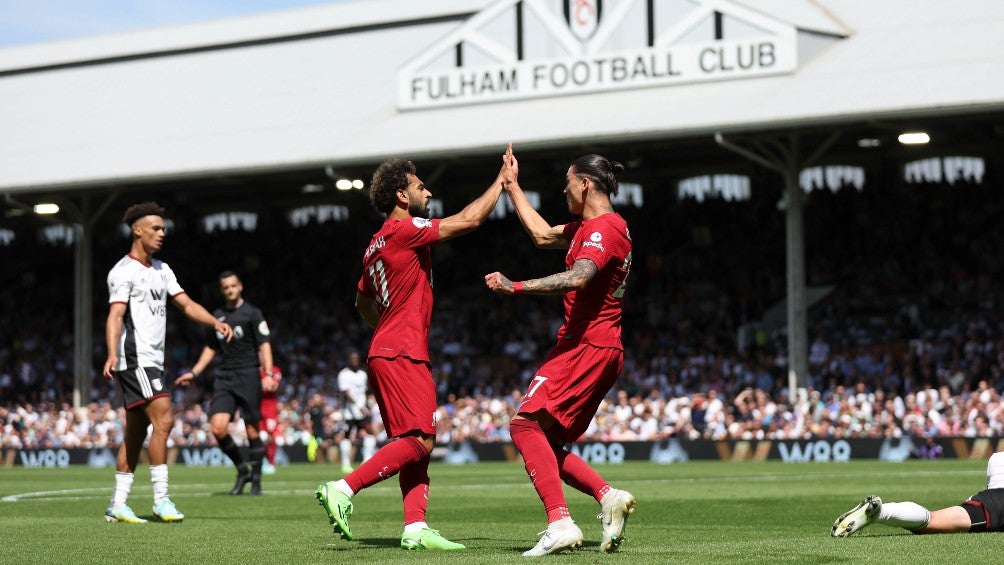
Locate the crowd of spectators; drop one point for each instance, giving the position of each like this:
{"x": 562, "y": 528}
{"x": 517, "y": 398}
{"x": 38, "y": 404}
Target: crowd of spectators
{"x": 908, "y": 340}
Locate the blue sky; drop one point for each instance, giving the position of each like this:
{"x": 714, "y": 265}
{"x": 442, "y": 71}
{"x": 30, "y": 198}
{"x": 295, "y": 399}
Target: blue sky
{"x": 34, "y": 21}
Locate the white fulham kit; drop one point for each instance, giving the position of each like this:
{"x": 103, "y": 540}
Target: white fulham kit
{"x": 353, "y": 384}
{"x": 145, "y": 290}
{"x": 995, "y": 471}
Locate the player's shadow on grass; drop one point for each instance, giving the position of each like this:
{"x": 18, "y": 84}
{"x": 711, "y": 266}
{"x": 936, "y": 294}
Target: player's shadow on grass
{"x": 368, "y": 542}
{"x": 586, "y": 544}
{"x": 889, "y": 535}
{"x": 396, "y": 543}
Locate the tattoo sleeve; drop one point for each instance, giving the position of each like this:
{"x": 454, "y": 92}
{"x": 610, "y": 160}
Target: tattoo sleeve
{"x": 582, "y": 271}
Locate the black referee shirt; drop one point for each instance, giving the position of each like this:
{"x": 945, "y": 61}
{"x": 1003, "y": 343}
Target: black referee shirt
{"x": 250, "y": 331}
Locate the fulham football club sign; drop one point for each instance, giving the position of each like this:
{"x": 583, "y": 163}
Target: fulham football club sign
{"x": 518, "y": 49}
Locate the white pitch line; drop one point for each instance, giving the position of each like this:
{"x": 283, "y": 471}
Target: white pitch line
{"x": 103, "y": 492}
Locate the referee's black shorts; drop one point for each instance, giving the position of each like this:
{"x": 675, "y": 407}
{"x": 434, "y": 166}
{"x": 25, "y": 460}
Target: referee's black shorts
{"x": 237, "y": 389}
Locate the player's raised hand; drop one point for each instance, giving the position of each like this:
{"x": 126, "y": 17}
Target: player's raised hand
{"x": 497, "y": 282}
{"x": 510, "y": 169}
{"x": 505, "y": 163}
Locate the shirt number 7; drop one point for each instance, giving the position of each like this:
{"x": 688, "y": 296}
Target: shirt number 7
{"x": 535, "y": 384}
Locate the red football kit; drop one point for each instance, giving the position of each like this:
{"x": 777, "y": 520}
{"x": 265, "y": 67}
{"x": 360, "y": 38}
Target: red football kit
{"x": 397, "y": 276}
{"x": 589, "y": 356}
{"x": 270, "y": 414}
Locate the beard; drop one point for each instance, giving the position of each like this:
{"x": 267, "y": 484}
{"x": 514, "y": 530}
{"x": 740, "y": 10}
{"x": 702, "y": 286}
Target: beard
{"x": 418, "y": 209}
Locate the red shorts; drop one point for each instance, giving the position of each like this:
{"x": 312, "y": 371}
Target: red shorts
{"x": 405, "y": 393}
{"x": 571, "y": 384}
{"x": 269, "y": 408}
{"x": 270, "y": 425}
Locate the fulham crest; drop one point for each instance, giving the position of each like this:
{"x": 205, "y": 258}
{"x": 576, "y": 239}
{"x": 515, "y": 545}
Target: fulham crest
{"x": 583, "y": 17}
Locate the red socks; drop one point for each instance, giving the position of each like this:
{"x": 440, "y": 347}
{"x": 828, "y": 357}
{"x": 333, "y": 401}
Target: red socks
{"x": 541, "y": 466}
{"x": 579, "y": 475}
{"x": 415, "y": 490}
{"x": 270, "y": 450}
{"x": 387, "y": 461}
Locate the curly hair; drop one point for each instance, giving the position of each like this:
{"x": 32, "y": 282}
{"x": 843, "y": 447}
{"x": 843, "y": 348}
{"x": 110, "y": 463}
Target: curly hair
{"x": 602, "y": 171}
{"x": 390, "y": 177}
{"x": 141, "y": 210}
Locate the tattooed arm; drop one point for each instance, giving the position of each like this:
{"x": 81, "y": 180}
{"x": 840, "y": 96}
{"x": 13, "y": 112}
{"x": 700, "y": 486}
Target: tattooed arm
{"x": 575, "y": 278}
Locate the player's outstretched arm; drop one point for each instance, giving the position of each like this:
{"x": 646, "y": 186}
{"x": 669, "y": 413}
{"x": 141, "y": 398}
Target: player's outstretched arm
{"x": 543, "y": 234}
{"x": 575, "y": 278}
{"x": 205, "y": 358}
{"x": 265, "y": 356}
{"x": 475, "y": 213}
{"x": 195, "y": 312}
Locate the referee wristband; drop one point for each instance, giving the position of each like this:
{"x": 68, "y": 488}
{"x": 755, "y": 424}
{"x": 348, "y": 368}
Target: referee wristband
{"x": 517, "y": 287}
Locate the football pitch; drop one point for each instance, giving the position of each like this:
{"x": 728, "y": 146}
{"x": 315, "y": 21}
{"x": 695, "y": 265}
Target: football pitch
{"x": 696, "y": 512}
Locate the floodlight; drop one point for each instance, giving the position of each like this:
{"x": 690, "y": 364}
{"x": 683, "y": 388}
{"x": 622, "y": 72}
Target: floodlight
{"x": 914, "y": 138}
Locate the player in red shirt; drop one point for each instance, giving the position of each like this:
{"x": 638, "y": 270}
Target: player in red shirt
{"x": 269, "y": 424}
{"x": 563, "y": 396}
{"x": 395, "y": 298}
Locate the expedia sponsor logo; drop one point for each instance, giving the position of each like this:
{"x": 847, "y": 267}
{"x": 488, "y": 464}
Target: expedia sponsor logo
{"x": 593, "y": 244}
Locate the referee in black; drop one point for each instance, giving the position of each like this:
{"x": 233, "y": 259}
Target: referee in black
{"x": 238, "y": 383}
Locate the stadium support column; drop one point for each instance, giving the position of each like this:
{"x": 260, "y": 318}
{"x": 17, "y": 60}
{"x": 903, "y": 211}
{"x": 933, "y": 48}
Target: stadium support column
{"x": 83, "y": 294}
{"x": 782, "y": 154}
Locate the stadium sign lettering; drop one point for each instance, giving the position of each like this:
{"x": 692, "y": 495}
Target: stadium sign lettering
{"x": 48, "y": 458}
{"x": 594, "y": 74}
{"x": 472, "y": 66}
{"x": 818, "y": 451}
{"x": 600, "y": 452}
{"x": 204, "y": 457}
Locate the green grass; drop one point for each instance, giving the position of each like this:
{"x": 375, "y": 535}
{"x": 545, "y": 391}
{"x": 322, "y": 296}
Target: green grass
{"x": 697, "y": 512}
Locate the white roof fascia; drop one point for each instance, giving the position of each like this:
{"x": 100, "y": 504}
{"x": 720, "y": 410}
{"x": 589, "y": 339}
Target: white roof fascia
{"x": 320, "y": 101}
{"x": 245, "y": 29}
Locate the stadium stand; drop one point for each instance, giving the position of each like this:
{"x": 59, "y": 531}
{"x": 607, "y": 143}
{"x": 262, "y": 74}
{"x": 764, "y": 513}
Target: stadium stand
{"x": 910, "y": 342}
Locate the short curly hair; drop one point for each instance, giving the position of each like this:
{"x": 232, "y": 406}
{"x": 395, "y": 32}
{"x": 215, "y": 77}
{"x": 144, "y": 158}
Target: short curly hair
{"x": 141, "y": 210}
{"x": 390, "y": 177}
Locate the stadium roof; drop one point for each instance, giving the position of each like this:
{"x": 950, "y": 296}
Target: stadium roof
{"x": 330, "y": 85}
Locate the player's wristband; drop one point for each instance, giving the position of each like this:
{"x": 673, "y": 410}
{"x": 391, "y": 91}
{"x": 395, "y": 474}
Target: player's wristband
{"x": 517, "y": 287}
